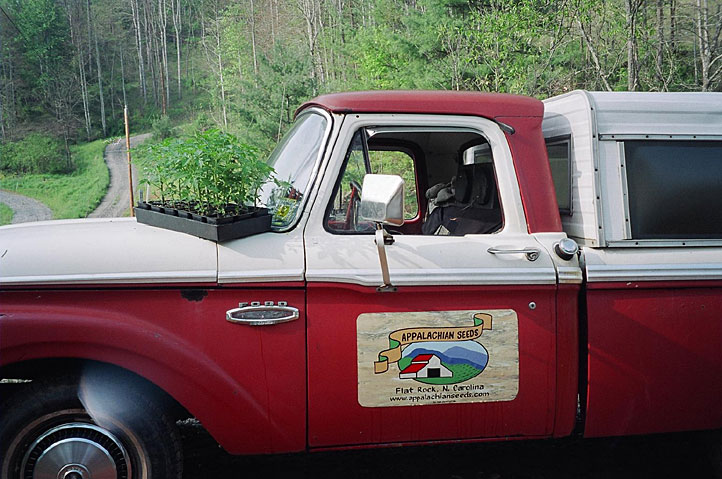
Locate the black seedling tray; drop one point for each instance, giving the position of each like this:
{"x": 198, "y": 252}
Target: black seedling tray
{"x": 256, "y": 220}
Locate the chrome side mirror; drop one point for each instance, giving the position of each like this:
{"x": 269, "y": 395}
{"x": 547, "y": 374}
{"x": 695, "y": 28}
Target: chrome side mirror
{"x": 382, "y": 199}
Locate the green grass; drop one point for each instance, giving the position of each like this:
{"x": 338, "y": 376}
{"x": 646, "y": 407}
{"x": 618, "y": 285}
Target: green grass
{"x": 6, "y": 214}
{"x": 68, "y": 196}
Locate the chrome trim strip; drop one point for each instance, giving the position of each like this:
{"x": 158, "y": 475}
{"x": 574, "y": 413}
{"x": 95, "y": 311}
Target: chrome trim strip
{"x": 610, "y": 136}
{"x": 262, "y": 315}
{"x": 115, "y": 278}
{"x": 653, "y": 272}
{"x": 437, "y": 277}
{"x": 261, "y": 276}
{"x": 570, "y": 274}
{"x": 670, "y": 243}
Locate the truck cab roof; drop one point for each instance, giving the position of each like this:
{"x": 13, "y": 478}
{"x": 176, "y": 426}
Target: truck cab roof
{"x": 487, "y": 105}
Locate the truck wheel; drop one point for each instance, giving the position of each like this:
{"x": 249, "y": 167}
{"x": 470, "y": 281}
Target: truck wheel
{"x": 46, "y": 432}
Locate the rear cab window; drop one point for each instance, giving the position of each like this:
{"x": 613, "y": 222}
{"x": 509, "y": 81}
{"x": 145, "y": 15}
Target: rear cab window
{"x": 559, "y": 151}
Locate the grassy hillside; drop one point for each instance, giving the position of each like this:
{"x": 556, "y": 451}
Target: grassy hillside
{"x": 6, "y": 215}
{"x": 68, "y": 196}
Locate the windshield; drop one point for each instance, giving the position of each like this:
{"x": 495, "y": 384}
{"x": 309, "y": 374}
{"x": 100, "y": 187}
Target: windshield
{"x": 294, "y": 161}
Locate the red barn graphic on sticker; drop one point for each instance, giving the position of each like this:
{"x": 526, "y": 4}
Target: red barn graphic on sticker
{"x": 425, "y": 366}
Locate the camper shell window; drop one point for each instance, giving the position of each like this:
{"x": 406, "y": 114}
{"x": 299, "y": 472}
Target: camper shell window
{"x": 674, "y": 189}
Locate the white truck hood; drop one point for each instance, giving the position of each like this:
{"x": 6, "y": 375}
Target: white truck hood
{"x": 102, "y": 251}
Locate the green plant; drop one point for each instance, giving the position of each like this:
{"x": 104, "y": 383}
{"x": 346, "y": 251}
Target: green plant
{"x": 36, "y": 153}
{"x": 162, "y": 128}
{"x": 210, "y": 173}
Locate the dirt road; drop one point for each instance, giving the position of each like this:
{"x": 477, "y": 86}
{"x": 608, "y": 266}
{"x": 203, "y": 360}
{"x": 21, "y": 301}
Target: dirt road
{"x": 25, "y": 209}
{"x": 673, "y": 456}
{"x": 116, "y": 201}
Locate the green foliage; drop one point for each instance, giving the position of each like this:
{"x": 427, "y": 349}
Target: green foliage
{"x": 398, "y": 163}
{"x": 162, "y": 128}
{"x": 246, "y": 67}
{"x": 210, "y": 172}
{"x": 201, "y": 122}
{"x": 268, "y": 101}
{"x": 43, "y": 40}
{"x": 72, "y": 195}
{"x": 6, "y": 214}
{"x": 36, "y": 153}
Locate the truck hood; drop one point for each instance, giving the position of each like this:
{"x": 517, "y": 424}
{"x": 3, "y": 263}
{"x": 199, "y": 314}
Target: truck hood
{"x": 102, "y": 251}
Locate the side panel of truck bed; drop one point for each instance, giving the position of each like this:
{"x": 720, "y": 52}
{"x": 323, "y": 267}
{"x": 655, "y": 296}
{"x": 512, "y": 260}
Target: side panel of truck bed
{"x": 654, "y": 357}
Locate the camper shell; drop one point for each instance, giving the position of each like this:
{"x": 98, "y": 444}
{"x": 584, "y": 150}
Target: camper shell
{"x": 596, "y": 130}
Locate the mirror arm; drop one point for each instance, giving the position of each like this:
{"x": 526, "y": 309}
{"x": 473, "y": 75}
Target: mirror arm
{"x": 380, "y": 239}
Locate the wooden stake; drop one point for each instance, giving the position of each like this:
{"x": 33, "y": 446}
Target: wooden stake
{"x": 130, "y": 166}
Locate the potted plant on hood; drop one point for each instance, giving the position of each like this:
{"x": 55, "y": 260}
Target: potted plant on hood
{"x": 206, "y": 185}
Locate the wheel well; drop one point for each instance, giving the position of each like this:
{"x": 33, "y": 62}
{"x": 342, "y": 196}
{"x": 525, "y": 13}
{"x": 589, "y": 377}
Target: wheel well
{"x": 15, "y": 376}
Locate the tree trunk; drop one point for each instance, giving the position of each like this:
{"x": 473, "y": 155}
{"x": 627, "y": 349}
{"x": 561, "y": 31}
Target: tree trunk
{"x": 100, "y": 88}
{"x": 253, "y": 43}
{"x": 177, "y": 27}
{"x": 90, "y": 37}
{"x": 631, "y": 8}
{"x": 213, "y": 55}
{"x": 139, "y": 45}
{"x": 7, "y": 90}
{"x": 2, "y": 90}
{"x": 220, "y": 70}
{"x": 310, "y": 10}
{"x": 122, "y": 76}
{"x": 673, "y": 25}
{"x": 593, "y": 53}
{"x": 165, "y": 79}
{"x": 151, "y": 52}
{"x": 272, "y": 6}
{"x": 80, "y": 58}
{"x": 660, "y": 43}
{"x": 111, "y": 85}
{"x": 703, "y": 39}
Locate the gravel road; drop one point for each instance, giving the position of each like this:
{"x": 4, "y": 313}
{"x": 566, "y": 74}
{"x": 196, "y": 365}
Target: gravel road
{"x": 116, "y": 202}
{"x": 25, "y": 209}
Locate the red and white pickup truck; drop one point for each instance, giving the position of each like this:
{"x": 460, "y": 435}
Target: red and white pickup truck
{"x": 544, "y": 266}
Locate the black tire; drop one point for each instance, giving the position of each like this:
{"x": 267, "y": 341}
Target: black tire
{"x": 46, "y": 429}
{"x": 714, "y": 444}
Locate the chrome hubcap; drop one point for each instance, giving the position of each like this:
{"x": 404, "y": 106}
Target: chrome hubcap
{"x": 76, "y": 451}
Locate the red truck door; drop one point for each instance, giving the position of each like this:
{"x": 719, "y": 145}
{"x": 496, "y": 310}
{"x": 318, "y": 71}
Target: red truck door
{"x": 465, "y": 347}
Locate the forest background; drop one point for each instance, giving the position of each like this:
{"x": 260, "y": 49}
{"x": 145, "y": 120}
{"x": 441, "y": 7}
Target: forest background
{"x": 67, "y": 67}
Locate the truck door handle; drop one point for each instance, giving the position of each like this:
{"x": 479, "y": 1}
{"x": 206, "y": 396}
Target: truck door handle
{"x": 532, "y": 254}
{"x": 264, "y": 315}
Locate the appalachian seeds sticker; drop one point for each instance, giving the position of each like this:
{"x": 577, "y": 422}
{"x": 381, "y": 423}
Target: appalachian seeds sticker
{"x": 437, "y": 357}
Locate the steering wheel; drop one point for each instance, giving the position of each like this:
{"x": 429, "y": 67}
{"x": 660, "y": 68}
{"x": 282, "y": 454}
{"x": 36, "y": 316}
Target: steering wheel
{"x": 352, "y": 208}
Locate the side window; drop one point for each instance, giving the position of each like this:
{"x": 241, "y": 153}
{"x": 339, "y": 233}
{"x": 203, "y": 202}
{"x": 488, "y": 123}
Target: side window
{"x": 449, "y": 180}
{"x": 674, "y": 189}
{"x": 559, "y": 152}
{"x": 342, "y": 213}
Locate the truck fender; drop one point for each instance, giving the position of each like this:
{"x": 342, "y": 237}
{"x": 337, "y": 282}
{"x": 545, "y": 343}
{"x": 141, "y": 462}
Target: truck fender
{"x": 224, "y": 407}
